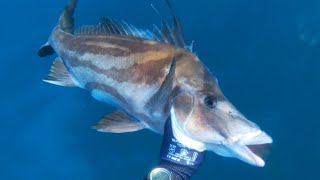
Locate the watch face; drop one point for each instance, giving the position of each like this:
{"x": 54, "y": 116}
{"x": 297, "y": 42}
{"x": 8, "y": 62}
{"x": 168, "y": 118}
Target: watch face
{"x": 160, "y": 174}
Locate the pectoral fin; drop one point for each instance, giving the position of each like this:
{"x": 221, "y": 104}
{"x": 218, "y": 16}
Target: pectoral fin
{"x": 118, "y": 122}
{"x": 161, "y": 98}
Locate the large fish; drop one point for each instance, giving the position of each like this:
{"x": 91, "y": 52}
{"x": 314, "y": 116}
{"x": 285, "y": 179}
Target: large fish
{"x": 149, "y": 76}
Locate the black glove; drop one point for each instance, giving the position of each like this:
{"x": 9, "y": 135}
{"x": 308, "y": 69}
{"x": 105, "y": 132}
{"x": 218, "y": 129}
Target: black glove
{"x": 177, "y": 161}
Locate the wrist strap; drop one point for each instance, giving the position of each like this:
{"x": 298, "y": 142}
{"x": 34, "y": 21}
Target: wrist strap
{"x": 180, "y": 160}
{"x": 178, "y": 172}
{"x": 173, "y": 151}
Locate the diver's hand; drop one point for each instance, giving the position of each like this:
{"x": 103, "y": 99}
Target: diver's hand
{"x": 178, "y": 162}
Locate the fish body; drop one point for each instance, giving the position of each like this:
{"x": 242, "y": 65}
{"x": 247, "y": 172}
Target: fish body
{"x": 150, "y": 76}
{"x": 114, "y": 72}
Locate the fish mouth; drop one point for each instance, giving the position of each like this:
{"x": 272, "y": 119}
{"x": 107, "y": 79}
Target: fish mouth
{"x": 244, "y": 153}
{"x": 245, "y": 150}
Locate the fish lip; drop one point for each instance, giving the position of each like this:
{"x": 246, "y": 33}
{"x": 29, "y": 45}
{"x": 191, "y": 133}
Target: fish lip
{"x": 248, "y": 156}
{"x": 255, "y": 138}
{"x": 242, "y": 151}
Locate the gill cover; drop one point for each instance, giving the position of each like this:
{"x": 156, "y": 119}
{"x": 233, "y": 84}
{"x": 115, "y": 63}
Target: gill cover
{"x": 181, "y": 115}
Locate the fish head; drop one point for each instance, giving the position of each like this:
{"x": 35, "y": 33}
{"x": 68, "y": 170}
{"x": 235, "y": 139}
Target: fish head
{"x": 206, "y": 120}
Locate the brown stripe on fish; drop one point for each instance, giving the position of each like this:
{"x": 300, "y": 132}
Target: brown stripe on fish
{"x": 106, "y": 44}
{"x": 108, "y": 89}
{"x": 197, "y": 76}
{"x": 96, "y": 48}
{"x": 150, "y": 72}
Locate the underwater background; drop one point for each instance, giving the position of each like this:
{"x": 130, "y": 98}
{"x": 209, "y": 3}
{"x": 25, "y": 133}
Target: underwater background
{"x": 266, "y": 55}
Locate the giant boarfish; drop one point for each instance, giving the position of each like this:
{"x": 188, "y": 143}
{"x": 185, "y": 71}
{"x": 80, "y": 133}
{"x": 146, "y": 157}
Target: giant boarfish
{"x": 150, "y": 76}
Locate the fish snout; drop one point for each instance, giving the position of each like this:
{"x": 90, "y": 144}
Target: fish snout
{"x": 241, "y": 137}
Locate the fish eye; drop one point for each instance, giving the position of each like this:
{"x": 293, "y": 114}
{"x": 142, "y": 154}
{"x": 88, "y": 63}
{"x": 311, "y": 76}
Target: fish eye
{"x": 210, "y": 102}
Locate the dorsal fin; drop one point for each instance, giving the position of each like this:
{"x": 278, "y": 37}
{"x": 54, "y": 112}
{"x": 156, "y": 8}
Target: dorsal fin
{"x": 171, "y": 34}
{"x": 168, "y": 34}
{"x": 89, "y": 30}
{"x": 112, "y": 27}
{"x": 177, "y": 31}
{"x": 164, "y": 34}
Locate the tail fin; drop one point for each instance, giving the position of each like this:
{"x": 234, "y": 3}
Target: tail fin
{"x": 66, "y": 21}
{"x": 66, "y": 24}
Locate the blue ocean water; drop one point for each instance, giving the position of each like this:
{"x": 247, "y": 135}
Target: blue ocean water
{"x": 265, "y": 54}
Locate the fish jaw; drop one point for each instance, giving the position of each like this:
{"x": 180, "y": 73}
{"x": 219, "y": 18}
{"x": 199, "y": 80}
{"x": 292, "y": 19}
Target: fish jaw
{"x": 240, "y": 149}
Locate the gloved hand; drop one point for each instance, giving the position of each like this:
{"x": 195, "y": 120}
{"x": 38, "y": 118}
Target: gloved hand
{"x": 178, "y": 162}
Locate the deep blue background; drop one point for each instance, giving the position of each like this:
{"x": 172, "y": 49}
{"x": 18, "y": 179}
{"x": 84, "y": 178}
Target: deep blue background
{"x": 254, "y": 47}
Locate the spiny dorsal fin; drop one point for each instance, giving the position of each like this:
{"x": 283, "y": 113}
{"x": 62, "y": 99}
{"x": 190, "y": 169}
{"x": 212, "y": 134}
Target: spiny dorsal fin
{"x": 118, "y": 122}
{"x": 164, "y": 34}
{"x": 89, "y": 30}
{"x": 59, "y": 75}
{"x": 173, "y": 35}
{"x": 160, "y": 100}
{"x": 112, "y": 27}
{"x": 177, "y": 30}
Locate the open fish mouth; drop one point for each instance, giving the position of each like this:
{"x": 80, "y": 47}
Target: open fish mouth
{"x": 243, "y": 148}
{"x": 247, "y": 150}
{"x": 246, "y": 154}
